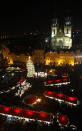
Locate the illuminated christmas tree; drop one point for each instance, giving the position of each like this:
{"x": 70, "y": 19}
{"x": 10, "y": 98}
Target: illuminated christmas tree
{"x": 30, "y": 68}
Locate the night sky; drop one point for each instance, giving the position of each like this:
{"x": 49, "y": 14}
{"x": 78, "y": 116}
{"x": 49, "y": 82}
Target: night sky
{"x": 37, "y": 15}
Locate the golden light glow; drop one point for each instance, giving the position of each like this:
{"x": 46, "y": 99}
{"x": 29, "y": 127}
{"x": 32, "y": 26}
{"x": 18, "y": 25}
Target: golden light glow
{"x": 47, "y": 62}
{"x": 29, "y": 57}
{"x": 51, "y": 71}
{"x": 60, "y": 62}
{"x": 72, "y": 63}
{"x": 39, "y": 100}
{"x": 11, "y": 62}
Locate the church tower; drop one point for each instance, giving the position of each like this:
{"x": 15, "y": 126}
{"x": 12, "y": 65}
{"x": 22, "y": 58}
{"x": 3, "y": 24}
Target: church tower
{"x": 54, "y": 32}
{"x": 54, "y": 28}
{"x": 61, "y": 38}
{"x": 67, "y": 27}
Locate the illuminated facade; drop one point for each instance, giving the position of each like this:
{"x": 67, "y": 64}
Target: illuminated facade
{"x": 61, "y": 39}
{"x": 59, "y": 59}
{"x": 49, "y": 58}
{"x": 7, "y": 55}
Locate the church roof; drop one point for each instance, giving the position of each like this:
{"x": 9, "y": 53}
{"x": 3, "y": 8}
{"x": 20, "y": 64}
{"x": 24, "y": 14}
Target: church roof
{"x": 60, "y": 33}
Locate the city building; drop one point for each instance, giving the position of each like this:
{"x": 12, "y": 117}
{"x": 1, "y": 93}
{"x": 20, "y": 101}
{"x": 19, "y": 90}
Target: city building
{"x": 61, "y": 38}
{"x": 77, "y": 38}
{"x": 40, "y": 57}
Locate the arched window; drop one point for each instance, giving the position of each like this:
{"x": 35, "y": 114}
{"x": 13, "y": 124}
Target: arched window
{"x": 54, "y": 31}
{"x": 67, "y": 30}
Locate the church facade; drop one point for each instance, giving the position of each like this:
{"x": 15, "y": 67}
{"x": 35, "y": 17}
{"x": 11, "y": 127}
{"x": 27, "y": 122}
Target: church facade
{"x": 61, "y": 38}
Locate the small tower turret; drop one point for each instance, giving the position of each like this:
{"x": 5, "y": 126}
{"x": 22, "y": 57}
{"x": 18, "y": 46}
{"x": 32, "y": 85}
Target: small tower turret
{"x": 54, "y": 28}
{"x": 68, "y": 27}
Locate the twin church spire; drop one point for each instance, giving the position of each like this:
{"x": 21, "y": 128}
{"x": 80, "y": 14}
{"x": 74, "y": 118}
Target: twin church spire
{"x": 61, "y": 38}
